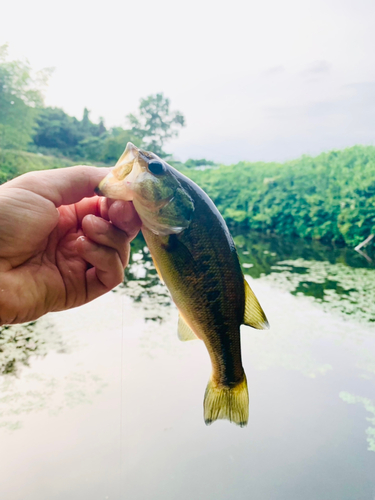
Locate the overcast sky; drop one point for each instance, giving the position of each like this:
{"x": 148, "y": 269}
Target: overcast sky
{"x": 265, "y": 80}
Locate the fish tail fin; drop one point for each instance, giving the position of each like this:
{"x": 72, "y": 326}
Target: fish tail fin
{"x": 230, "y": 403}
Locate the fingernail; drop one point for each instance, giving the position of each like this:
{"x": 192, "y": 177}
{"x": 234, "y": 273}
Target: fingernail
{"x": 81, "y": 239}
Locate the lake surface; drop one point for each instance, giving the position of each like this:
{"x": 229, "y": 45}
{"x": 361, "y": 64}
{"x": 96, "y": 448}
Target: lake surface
{"x": 104, "y": 402}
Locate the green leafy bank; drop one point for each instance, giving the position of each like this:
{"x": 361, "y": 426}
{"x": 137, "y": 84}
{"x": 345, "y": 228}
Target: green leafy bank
{"x": 330, "y": 197}
{"x": 13, "y": 163}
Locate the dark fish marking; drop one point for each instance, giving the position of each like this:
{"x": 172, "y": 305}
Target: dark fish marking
{"x": 213, "y": 295}
{"x": 204, "y": 267}
{"x": 172, "y": 244}
{"x": 211, "y": 278}
{"x": 205, "y": 257}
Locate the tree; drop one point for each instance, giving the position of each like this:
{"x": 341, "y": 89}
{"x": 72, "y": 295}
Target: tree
{"x": 56, "y": 129}
{"x": 21, "y": 94}
{"x": 155, "y": 123}
{"x": 115, "y": 143}
{"x": 101, "y": 126}
{"x": 85, "y": 122}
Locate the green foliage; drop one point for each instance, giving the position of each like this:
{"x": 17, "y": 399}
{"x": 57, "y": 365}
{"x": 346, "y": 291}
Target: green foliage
{"x": 57, "y": 130}
{"x": 114, "y": 144}
{"x": 155, "y": 123}
{"x": 330, "y": 197}
{"x": 20, "y": 95}
{"x": 13, "y": 163}
{"x": 190, "y": 163}
{"x": 63, "y": 135}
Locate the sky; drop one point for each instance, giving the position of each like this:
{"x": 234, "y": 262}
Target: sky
{"x": 257, "y": 81}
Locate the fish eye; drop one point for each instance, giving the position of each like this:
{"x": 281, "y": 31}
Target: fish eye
{"x": 156, "y": 167}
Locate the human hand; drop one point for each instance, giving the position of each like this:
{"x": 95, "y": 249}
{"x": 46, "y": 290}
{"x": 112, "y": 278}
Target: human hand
{"x": 61, "y": 246}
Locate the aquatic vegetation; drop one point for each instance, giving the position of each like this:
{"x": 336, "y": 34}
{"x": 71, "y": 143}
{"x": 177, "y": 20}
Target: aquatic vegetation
{"x": 335, "y": 287}
{"x": 19, "y": 342}
{"x": 337, "y": 279}
{"x": 37, "y": 392}
{"x": 369, "y": 405}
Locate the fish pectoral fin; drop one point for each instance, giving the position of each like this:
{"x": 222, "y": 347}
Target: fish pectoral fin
{"x": 254, "y": 314}
{"x": 184, "y": 331}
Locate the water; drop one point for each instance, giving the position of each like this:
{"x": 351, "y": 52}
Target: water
{"x": 104, "y": 402}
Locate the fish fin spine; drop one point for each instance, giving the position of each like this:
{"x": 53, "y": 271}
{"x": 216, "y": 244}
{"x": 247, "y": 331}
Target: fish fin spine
{"x": 254, "y": 315}
{"x": 184, "y": 331}
{"x": 227, "y": 403}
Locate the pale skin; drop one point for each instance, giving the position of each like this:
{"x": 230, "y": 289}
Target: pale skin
{"x": 61, "y": 246}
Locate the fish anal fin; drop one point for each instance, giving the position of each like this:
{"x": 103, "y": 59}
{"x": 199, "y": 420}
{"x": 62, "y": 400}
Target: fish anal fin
{"x": 184, "y": 331}
{"x": 227, "y": 403}
{"x": 254, "y": 315}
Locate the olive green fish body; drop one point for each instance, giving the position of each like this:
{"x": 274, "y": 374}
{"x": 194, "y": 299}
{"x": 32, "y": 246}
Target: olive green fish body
{"x": 201, "y": 270}
{"x": 195, "y": 256}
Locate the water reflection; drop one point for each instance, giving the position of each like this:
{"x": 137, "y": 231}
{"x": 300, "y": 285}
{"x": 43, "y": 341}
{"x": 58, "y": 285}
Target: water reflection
{"x": 34, "y": 392}
{"x": 338, "y": 279}
{"x": 143, "y": 285}
{"x": 311, "y": 380}
{"x": 259, "y": 253}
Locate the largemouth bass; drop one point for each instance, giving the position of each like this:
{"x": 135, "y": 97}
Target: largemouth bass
{"x": 195, "y": 256}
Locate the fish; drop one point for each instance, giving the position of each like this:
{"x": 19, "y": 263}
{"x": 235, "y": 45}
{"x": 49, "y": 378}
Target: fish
{"x": 195, "y": 256}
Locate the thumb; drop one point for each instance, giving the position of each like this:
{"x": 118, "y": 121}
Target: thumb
{"x": 62, "y": 186}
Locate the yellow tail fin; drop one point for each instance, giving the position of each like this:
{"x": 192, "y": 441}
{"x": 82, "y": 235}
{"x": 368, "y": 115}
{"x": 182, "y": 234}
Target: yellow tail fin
{"x": 230, "y": 403}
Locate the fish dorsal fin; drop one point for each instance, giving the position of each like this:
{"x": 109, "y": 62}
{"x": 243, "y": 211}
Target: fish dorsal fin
{"x": 184, "y": 331}
{"x": 254, "y": 315}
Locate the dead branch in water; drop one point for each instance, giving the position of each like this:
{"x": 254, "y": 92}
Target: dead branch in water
{"x": 363, "y": 244}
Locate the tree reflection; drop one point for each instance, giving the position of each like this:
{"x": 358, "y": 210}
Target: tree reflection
{"x": 143, "y": 285}
{"x": 260, "y": 252}
{"x": 339, "y": 279}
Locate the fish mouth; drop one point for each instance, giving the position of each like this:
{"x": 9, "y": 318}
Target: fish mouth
{"x": 117, "y": 184}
